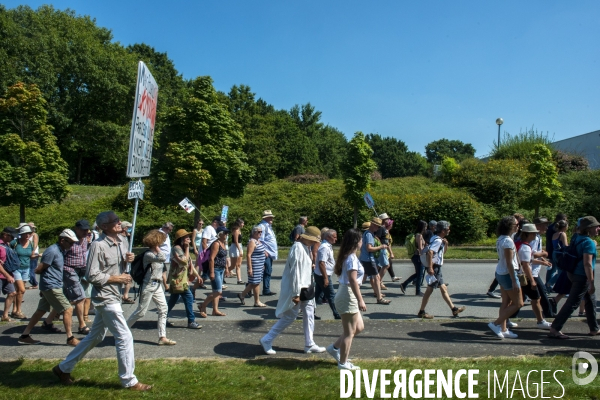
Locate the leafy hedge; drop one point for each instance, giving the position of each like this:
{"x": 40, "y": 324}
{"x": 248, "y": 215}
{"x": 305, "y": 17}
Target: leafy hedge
{"x": 406, "y": 200}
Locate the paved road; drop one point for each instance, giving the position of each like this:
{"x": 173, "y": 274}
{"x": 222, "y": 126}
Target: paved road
{"x": 391, "y": 330}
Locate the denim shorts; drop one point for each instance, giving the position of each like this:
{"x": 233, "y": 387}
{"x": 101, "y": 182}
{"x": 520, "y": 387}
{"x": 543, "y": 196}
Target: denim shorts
{"x": 22, "y": 274}
{"x": 217, "y": 283}
{"x": 505, "y": 281}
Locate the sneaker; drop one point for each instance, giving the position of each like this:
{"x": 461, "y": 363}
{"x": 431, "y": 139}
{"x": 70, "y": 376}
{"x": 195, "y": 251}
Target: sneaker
{"x": 424, "y": 315}
{"x": 314, "y": 349}
{"x": 335, "y": 353}
{"x": 194, "y": 325}
{"x": 497, "y": 329}
{"x": 494, "y": 295}
{"x": 527, "y": 300}
{"x": 170, "y": 324}
{"x": 402, "y": 289}
{"x": 457, "y": 310}
{"x": 510, "y": 324}
{"x": 267, "y": 347}
{"x": 27, "y": 339}
{"x": 420, "y": 294}
{"x": 348, "y": 365}
{"x": 395, "y": 279}
{"x": 510, "y": 335}
{"x": 543, "y": 324}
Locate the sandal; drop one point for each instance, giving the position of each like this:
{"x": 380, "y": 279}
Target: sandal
{"x": 87, "y": 319}
{"x": 166, "y": 342}
{"x": 202, "y": 313}
{"x": 7, "y": 319}
{"x": 558, "y": 335}
{"x": 127, "y": 300}
{"x": 260, "y": 305}
{"x": 383, "y": 287}
{"x": 224, "y": 287}
{"x": 383, "y": 301}
{"x": 241, "y": 282}
{"x": 18, "y": 315}
{"x": 382, "y": 295}
{"x": 50, "y": 327}
{"x": 72, "y": 341}
{"x": 218, "y": 314}
{"x": 242, "y": 299}
{"x": 83, "y": 331}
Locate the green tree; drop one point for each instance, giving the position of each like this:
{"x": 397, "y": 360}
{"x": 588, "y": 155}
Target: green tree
{"x": 87, "y": 79}
{"x": 357, "y": 170}
{"x": 33, "y": 172}
{"x": 438, "y": 149}
{"x": 544, "y": 188}
{"x": 393, "y": 158}
{"x": 201, "y": 153}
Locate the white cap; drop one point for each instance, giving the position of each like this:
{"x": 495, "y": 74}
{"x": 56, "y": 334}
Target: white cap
{"x": 24, "y": 229}
{"x": 67, "y": 233}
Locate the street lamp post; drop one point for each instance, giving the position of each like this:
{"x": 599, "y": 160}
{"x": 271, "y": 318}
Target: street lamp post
{"x": 499, "y": 122}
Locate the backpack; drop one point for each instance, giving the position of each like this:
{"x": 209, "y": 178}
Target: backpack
{"x": 426, "y": 250}
{"x": 409, "y": 243}
{"x": 138, "y": 270}
{"x": 12, "y": 260}
{"x": 569, "y": 257}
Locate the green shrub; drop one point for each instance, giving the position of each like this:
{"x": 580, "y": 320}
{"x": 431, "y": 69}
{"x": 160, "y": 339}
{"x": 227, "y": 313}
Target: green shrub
{"x": 580, "y": 191}
{"x": 520, "y": 146}
{"x": 497, "y": 183}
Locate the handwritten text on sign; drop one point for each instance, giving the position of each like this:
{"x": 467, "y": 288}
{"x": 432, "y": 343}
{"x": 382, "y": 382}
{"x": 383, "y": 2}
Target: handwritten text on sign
{"x": 142, "y": 124}
{"x": 136, "y": 190}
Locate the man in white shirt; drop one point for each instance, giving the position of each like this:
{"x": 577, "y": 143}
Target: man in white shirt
{"x": 296, "y": 294}
{"x": 438, "y": 245}
{"x": 268, "y": 238}
{"x": 324, "y": 270}
{"x": 165, "y": 248}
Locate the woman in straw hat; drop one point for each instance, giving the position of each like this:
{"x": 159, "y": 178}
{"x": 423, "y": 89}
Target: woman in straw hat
{"x": 297, "y": 293}
{"x": 152, "y": 288}
{"x": 348, "y": 299}
{"x": 181, "y": 267}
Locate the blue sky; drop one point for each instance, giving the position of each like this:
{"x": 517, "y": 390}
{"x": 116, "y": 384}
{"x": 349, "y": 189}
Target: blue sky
{"x": 418, "y": 71}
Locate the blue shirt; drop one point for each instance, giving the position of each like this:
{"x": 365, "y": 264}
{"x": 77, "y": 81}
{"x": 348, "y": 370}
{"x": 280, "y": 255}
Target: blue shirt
{"x": 269, "y": 240}
{"x": 367, "y": 239}
{"x": 584, "y": 245}
{"x": 52, "y": 277}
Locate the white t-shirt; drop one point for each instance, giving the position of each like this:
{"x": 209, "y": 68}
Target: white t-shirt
{"x": 505, "y": 242}
{"x": 438, "y": 252}
{"x": 210, "y": 234}
{"x": 351, "y": 264}
{"x": 325, "y": 254}
{"x": 536, "y": 247}
{"x": 165, "y": 248}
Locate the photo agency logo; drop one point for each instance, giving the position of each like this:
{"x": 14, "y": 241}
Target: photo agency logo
{"x": 584, "y": 363}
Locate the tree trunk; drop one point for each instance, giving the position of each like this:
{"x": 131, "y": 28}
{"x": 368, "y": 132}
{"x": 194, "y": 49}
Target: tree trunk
{"x": 537, "y": 211}
{"x": 79, "y": 162}
{"x": 22, "y": 212}
{"x": 196, "y": 217}
{"x": 355, "y": 215}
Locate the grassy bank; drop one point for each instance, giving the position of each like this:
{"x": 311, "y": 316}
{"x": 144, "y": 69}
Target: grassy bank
{"x": 274, "y": 378}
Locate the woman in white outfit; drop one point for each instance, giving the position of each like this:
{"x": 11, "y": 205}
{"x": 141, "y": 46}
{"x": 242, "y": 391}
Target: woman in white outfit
{"x": 152, "y": 288}
{"x": 348, "y": 299}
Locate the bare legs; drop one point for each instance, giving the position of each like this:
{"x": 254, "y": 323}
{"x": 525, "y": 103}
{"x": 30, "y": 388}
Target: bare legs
{"x": 20, "y": 287}
{"x": 512, "y": 301}
{"x": 353, "y": 325}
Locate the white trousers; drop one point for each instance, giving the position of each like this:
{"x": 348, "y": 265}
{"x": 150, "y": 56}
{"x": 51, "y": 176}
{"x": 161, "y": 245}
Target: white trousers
{"x": 152, "y": 291}
{"x": 108, "y": 318}
{"x": 308, "y": 322}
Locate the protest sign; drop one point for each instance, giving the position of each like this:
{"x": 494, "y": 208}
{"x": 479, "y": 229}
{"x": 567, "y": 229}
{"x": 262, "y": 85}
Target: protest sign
{"x": 136, "y": 190}
{"x": 142, "y": 125}
{"x": 187, "y": 205}
{"x": 224, "y": 212}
